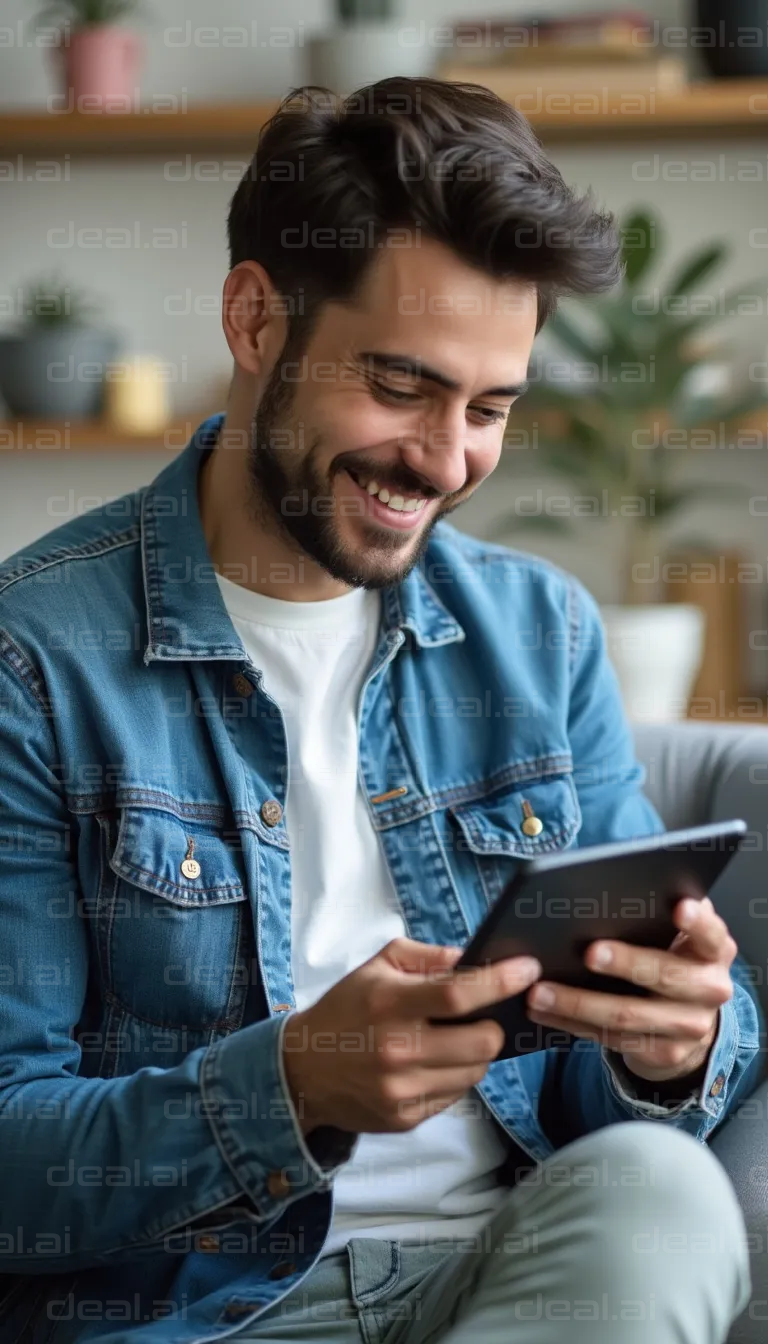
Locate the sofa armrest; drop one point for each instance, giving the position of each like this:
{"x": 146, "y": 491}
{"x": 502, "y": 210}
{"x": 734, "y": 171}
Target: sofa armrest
{"x": 741, "y": 1144}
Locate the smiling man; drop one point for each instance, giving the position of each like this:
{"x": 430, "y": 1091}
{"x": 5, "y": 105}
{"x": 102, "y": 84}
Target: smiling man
{"x": 274, "y": 736}
{"x": 373, "y": 427}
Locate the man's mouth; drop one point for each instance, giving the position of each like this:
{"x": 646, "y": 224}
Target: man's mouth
{"x": 399, "y": 503}
{"x": 389, "y": 506}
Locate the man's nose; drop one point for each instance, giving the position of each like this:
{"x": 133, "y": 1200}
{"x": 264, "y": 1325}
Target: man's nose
{"x": 439, "y": 455}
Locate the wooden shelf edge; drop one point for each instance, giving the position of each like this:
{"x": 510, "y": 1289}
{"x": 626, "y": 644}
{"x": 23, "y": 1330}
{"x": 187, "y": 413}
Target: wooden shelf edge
{"x": 725, "y": 107}
{"x": 91, "y": 436}
{"x": 99, "y": 436}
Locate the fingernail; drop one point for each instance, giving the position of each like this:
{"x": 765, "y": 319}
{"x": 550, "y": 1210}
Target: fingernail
{"x": 542, "y": 997}
{"x": 528, "y": 969}
{"x": 602, "y": 955}
{"x": 688, "y": 912}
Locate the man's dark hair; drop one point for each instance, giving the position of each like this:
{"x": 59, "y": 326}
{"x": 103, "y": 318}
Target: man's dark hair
{"x": 452, "y": 160}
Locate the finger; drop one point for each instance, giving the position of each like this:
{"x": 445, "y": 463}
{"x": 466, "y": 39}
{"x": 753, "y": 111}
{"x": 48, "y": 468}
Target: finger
{"x": 659, "y": 1051}
{"x": 406, "y": 954}
{"x": 443, "y": 1046}
{"x": 663, "y": 973}
{"x": 707, "y": 934}
{"x": 466, "y": 989}
{"x": 623, "y": 1012}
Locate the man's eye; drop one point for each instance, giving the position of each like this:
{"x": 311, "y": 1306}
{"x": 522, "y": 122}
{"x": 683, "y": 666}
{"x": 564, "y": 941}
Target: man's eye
{"x": 491, "y": 417}
{"x": 395, "y": 393}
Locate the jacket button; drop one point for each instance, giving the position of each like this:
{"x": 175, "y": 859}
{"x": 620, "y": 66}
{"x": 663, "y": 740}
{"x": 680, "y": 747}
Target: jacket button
{"x": 282, "y": 1271}
{"x": 271, "y": 812}
{"x": 277, "y": 1185}
{"x": 531, "y": 824}
{"x": 242, "y": 685}
{"x": 207, "y": 1243}
{"x": 717, "y": 1086}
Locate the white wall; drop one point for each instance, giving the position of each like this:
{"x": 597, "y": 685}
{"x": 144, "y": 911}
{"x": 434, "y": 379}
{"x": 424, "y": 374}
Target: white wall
{"x": 164, "y": 299}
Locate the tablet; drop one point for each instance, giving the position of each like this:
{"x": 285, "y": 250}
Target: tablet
{"x": 556, "y": 905}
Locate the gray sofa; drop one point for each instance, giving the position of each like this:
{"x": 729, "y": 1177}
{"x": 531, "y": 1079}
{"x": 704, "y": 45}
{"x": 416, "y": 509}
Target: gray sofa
{"x": 699, "y": 772}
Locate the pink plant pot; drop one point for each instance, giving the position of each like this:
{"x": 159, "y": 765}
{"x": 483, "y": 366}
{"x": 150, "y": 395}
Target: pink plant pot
{"x": 101, "y": 65}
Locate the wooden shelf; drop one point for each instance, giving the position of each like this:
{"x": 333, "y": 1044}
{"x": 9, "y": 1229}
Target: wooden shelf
{"x": 200, "y": 130}
{"x": 733, "y": 107}
{"x": 91, "y": 436}
{"x": 99, "y": 436}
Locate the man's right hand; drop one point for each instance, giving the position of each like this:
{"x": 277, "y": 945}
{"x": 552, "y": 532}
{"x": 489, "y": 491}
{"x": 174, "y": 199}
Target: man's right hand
{"x": 366, "y": 1058}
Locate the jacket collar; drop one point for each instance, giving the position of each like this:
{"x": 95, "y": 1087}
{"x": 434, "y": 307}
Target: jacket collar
{"x": 186, "y": 614}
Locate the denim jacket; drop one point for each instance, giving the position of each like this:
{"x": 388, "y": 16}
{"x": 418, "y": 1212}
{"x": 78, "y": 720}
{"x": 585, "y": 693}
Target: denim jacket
{"x": 155, "y": 1183}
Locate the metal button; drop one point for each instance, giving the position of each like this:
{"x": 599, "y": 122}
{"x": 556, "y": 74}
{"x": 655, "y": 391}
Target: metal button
{"x": 189, "y": 866}
{"x": 283, "y": 1007}
{"x": 277, "y": 1185}
{"x": 532, "y": 825}
{"x": 207, "y": 1243}
{"x": 271, "y": 812}
{"x": 242, "y": 685}
{"x": 282, "y": 1271}
{"x": 717, "y": 1086}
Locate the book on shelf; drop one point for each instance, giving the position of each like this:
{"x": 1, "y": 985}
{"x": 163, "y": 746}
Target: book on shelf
{"x": 621, "y": 35}
{"x": 666, "y": 75}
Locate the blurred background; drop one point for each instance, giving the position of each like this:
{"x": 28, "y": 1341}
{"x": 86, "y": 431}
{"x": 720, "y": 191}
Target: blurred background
{"x": 638, "y": 459}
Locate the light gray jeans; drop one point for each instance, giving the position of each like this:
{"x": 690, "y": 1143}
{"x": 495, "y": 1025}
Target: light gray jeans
{"x": 632, "y": 1235}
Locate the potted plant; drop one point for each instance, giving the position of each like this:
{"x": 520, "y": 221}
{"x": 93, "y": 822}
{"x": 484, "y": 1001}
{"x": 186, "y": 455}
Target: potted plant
{"x": 97, "y": 59}
{"x": 53, "y": 366}
{"x": 642, "y": 390}
{"x": 367, "y": 45}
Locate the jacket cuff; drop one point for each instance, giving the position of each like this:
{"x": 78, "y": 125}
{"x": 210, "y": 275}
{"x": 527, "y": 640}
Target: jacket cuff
{"x": 706, "y": 1089}
{"x": 248, "y": 1105}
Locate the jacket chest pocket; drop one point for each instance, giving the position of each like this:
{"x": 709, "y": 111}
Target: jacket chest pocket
{"x": 492, "y": 834}
{"x": 173, "y": 923}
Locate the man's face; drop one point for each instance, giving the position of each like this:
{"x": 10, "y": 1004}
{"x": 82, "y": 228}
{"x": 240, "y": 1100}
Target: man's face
{"x": 408, "y": 391}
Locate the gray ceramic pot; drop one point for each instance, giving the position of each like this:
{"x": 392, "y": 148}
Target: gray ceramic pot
{"x": 56, "y": 373}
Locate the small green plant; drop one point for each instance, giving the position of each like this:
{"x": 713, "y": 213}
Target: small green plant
{"x": 619, "y": 428}
{"x": 86, "y": 13}
{"x": 49, "y": 302}
{"x": 363, "y": 11}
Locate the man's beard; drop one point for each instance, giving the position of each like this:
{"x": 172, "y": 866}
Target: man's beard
{"x": 275, "y": 473}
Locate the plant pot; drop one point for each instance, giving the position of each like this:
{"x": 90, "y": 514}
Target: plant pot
{"x": 728, "y": 53}
{"x": 349, "y": 58}
{"x": 56, "y": 374}
{"x": 657, "y": 652}
{"x": 100, "y": 64}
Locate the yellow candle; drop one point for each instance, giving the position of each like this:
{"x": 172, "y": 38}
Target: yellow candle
{"x": 136, "y": 395}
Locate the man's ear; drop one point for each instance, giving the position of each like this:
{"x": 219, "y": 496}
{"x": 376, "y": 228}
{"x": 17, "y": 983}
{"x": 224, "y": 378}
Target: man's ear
{"x": 250, "y": 317}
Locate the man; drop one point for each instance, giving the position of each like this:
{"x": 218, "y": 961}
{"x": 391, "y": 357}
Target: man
{"x": 273, "y": 734}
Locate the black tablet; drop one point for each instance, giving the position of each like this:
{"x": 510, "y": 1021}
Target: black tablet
{"x": 555, "y": 906}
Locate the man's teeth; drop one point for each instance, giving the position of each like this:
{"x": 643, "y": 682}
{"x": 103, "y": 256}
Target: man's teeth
{"x": 397, "y": 502}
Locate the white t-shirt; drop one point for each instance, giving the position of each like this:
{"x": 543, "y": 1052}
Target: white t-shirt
{"x": 438, "y": 1180}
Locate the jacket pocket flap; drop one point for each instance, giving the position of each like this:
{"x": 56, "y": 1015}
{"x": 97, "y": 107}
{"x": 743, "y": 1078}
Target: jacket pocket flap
{"x": 499, "y": 824}
{"x": 152, "y": 846}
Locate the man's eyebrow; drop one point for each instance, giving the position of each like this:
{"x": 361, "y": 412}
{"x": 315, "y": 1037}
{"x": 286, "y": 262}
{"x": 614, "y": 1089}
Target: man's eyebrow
{"x": 416, "y": 368}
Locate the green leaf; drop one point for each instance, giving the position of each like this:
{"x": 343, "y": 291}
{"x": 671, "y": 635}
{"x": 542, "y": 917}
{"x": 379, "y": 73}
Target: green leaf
{"x": 570, "y": 336}
{"x": 678, "y": 331}
{"x": 637, "y": 249}
{"x": 694, "y": 270}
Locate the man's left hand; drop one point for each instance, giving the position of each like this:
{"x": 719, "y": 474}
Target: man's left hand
{"x": 668, "y": 1034}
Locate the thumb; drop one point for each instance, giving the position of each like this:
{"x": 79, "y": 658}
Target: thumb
{"x": 420, "y": 958}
